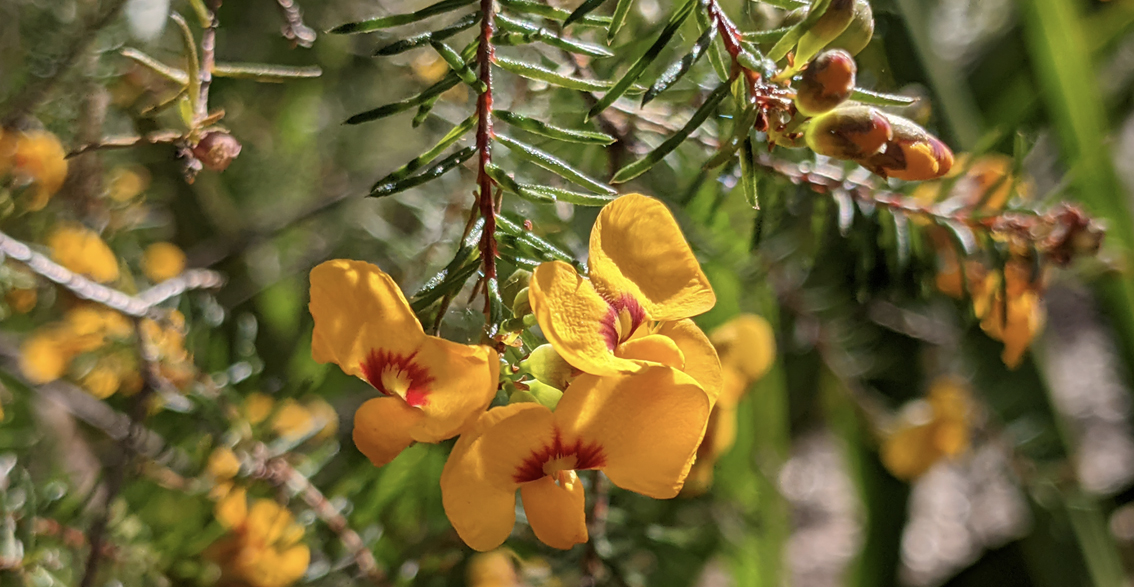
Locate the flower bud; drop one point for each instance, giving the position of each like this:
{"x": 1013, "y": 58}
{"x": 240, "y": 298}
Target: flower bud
{"x": 216, "y": 150}
{"x": 512, "y": 286}
{"x": 834, "y": 21}
{"x": 912, "y": 154}
{"x": 859, "y": 32}
{"x": 849, "y": 132}
{"x": 827, "y": 82}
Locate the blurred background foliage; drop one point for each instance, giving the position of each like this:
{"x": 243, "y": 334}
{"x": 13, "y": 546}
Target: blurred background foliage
{"x": 1038, "y": 492}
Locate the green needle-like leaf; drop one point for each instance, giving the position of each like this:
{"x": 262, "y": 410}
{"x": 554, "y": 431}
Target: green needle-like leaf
{"x": 540, "y": 73}
{"x": 194, "y": 69}
{"x": 553, "y": 132}
{"x": 680, "y": 67}
{"x": 425, "y": 158}
{"x": 571, "y": 197}
{"x": 265, "y": 73}
{"x": 766, "y": 36}
{"x": 639, "y": 67}
{"x": 781, "y": 48}
{"x": 436, "y": 89}
{"x": 430, "y": 174}
{"x": 399, "y": 19}
{"x": 505, "y": 181}
{"x": 546, "y": 251}
{"x": 173, "y": 74}
{"x": 540, "y": 9}
{"x": 618, "y": 19}
{"x": 553, "y": 164}
{"x": 744, "y": 122}
{"x": 642, "y": 165}
{"x": 438, "y": 35}
{"x": 537, "y": 33}
{"x": 584, "y": 9}
{"x": 458, "y": 65}
{"x": 880, "y": 99}
{"x": 786, "y": 4}
{"x": 748, "y": 179}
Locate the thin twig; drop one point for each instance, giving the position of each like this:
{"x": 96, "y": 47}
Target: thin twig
{"x": 208, "y": 62}
{"x": 485, "y": 54}
{"x": 143, "y": 304}
{"x": 127, "y": 141}
{"x": 294, "y": 29}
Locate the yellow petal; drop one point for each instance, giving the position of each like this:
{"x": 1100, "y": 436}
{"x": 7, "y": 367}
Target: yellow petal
{"x": 358, "y": 309}
{"x": 162, "y": 261}
{"x": 648, "y": 425}
{"x": 478, "y": 485}
{"x": 746, "y": 343}
{"x": 232, "y": 509}
{"x": 382, "y": 428}
{"x": 910, "y": 452}
{"x": 464, "y": 381}
{"x": 556, "y": 512}
{"x": 582, "y": 326}
{"x": 654, "y": 348}
{"x": 638, "y": 250}
{"x": 44, "y": 357}
{"x": 701, "y": 361}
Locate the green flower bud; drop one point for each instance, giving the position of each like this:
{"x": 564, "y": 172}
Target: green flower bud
{"x": 512, "y": 286}
{"x": 520, "y": 304}
{"x": 848, "y": 132}
{"x": 859, "y": 32}
{"x": 911, "y": 154}
{"x": 827, "y": 82}
{"x": 834, "y": 21}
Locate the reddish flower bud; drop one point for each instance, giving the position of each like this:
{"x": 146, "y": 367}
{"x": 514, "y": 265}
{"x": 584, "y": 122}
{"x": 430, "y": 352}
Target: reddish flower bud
{"x": 216, "y": 150}
{"x": 827, "y": 82}
{"x": 850, "y": 132}
{"x": 912, "y": 154}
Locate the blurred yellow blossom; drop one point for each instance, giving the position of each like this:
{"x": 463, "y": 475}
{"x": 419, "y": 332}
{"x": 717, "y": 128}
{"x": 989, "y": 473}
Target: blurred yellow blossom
{"x": 44, "y": 357}
{"x": 492, "y": 569}
{"x": 929, "y": 430}
{"x": 257, "y": 407}
{"x": 126, "y": 182}
{"x": 48, "y": 352}
{"x": 223, "y": 463}
{"x": 263, "y": 548}
{"x": 36, "y": 159}
{"x": 167, "y": 340}
{"x": 1015, "y": 320}
{"x": 21, "y": 300}
{"x": 163, "y": 261}
{"x": 82, "y": 251}
{"x": 292, "y": 420}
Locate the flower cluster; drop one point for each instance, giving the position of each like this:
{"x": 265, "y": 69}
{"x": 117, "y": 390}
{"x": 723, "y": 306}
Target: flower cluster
{"x": 263, "y": 548}
{"x": 929, "y": 430}
{"x": 33, "y": 162}
{"x": 639, "y": 383}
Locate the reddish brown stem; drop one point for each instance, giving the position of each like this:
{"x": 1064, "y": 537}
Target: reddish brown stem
{"x": 484, "y": 135}
{"x": 731, "y": 37}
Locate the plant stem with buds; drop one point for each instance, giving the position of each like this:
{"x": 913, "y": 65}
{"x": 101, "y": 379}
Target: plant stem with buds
{"x": 484, "y": 136}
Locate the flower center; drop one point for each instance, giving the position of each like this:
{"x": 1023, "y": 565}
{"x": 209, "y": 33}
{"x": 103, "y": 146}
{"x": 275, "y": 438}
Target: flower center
{"x": 559, "y": 460}
{"x": 623, "y": 318}
{"x": 398, "y": 375}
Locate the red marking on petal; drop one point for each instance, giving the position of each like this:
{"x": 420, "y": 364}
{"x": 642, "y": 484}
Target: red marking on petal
{"x": 609, "y": 327}
{"x": 419, "y": 378}
{"x": 587, "y": 456}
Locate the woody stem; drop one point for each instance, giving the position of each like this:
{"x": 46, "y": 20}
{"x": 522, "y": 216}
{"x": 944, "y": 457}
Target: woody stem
{"x": 484, "y": 136}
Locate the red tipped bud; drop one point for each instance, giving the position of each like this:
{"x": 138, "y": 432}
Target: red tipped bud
{"x": 216, "y": 150}
{"x": 850, "y": 132}
{"x": 912, "y": 154}
{"x": 827, "y": 82}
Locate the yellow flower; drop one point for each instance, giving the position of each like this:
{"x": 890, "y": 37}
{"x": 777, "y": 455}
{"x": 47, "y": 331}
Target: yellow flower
{"x": 326, "y": 418}
{"x": 492, "y": 569}
{"x": 47, "y": 353}
{"x": 102, "y": 381}
{"x": 257, "y": 407}
{"x": 125, "y": 183}
{"x": 167, "y": 339}
{"x": 292, "y": 420}
{"x": 44, "y": 357}
{"x": 223, "y": 463}
{"x": 40, "y": 160}
{"x": 635, "y": 308}
{"x": 264, "y": 548}
{"x": 163, "y": 261}
{"x": 82, "y": 251}
{"x": 1025, "y": 315}
{"x": 21, "y": 300}
{"x": 929, "y": 430}
{"x": 430, "y": 388}
{"x": 640, "y": 429}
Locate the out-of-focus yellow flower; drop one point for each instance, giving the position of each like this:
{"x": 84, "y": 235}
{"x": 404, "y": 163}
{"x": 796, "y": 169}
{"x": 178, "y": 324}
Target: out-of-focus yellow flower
{"x": 326, "y": 418}
{"x": 223, "y": 463}
{"x": 102, "y": 381}
{"x": 430, "y": 68}
{"x": 640, "y": 429}
{"x": 37, "y": 159}
{"x": 492, "y": 569}
{"x": 430, "y": 388}
{"x": 126, "y": 183}
{"x": 82, "y": 251}
{"x": 257, "y": 407}
{"x": 264, "y": 548}
{"x": 21, "y": 300}
{"x": 44, "y": 356}
{"x": 986, "y": 184}
{"x": 163, "y": 261}
{"x": 929, "y": 430}
{"x": 1015, "y": 321}
{"x": 47, "y": 353}
{"x": 292, "y": 420}
{"x": 168, "y": 340}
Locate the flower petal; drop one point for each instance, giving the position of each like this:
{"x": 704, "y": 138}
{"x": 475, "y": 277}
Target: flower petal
{"x": 654, "y": 348}
{"x": 464, "y": 381}
{"x": 648, "y": 425}
{"x": 701, "y": 362}
{"x": 478, "y": 489}
{"x": 382, "y": 428}
{"x": 637, "y": 249}
{"x": 357, "y": 309}
{"x": 556, "y": 513}
{"x": 746, "y": 343}
{"x": 576, "y": 320}
{"x": 232, "y": 509}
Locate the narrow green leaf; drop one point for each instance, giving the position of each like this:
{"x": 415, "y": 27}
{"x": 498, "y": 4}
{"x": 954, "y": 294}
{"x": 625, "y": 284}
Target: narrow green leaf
{"x": 449, "y": 281}
{"x": 399, "y": 19}
{"x": 744, "y": 122}
{"x": 553, "y": 164}
{"x": 430, "y": 174}
{"x": 172, "y": 74}
{"x": 584, "y": 9}
{"x": 540, "y": 73}
{"x": 767, "y": 36}
{"x": 553, "y": 132}
{"x": 639, "y": 67}
{"x": 539, "y": 9}
{"x": 423, "y": 111}
{"x": 546, "y": 250}
{"x": 194, "y": 69}
{"x": 786, "y": 4}
{"x": 571, "y": 197}
{"x": 441, "y": 34}
{"x": 458, "y": 65}
{"x": 680, "y": 67}
{"x": 716, "y": 54}
{"x": 265, "y": 73}
{"x": 436, "y": 89}
{"x": 789, "y": 39}
{"x": 748, "y": 179}
{"x": 533, "y": 33}
{"x": 618, "y": 19}
{"x": 425, "y": 158}
{"x": 642, "y": 165}
{"x": 505, "y": 181}
{"x": 880, "y": 99}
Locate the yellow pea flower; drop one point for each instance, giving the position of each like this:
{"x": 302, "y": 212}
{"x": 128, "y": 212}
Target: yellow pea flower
{"x": 492, "y": 569}
{"x": 264, "y": 548}
{"x": 292, "y": 420}
{"x": 37, "y": 158}
{"x": 640, "y": 429}
{"x": 430, "y": 388}
{"x": 163, "y": 261}
{"x": 47, "y": 353}
{"x": 929, "y": 430}
{"x": 634, "y": 308}
{"x": 126, "y": 183}
{"x": 82, "y": 251}
{"x": 257, "y": 407}
{"x": 223, "y": 463}
{"x": 1025, "y": 315}
{"x": 44, "y": 356}
{"x": 326, "y": 418}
